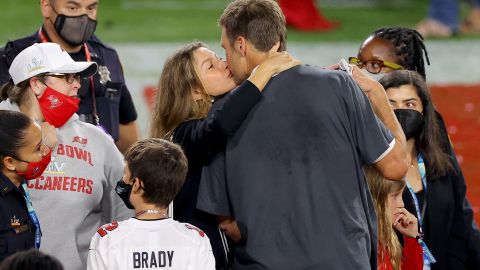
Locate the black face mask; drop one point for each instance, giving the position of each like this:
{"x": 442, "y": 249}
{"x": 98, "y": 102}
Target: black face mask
{"x": 411, "y": 122}
{"x": 124, "y": 190}
{"x": 75, "y": 30}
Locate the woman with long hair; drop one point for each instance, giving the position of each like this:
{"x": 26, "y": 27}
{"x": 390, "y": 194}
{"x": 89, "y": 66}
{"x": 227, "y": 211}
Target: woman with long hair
{"x": 435, "y": 188}
{"x": 191, "y": 79}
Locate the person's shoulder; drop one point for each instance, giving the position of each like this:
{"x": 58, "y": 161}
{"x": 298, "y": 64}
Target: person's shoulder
{"x": 13, "y": 47}
{"x": 185, "y": 128}
{"x": 95, "y": 42}
{"x": 316, "y": 72}
{"x": 191, "y": 232}
{"x": 93, "y": 131}
{"x": 113, "y": 231}
{"x": 20, "y": 44}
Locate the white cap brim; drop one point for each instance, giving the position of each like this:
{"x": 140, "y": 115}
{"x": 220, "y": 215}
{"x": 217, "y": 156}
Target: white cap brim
{"x": 84, "y": 69}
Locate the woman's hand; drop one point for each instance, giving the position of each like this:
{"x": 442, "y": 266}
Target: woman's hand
{"x": 229, "y": 226}
{"x": 405, "y": 223}
{"x": 366, "y": 83}
{"x": 49, "y": 135}
{"x": 275, "y": 62}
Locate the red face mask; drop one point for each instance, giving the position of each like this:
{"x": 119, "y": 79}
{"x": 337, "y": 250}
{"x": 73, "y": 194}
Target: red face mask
{"x": 56, "y": 107}
{"x": 35, "y": 169}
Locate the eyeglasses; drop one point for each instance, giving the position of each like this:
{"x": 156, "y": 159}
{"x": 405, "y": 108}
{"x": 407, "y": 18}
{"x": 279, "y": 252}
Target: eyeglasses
{"x": 69, "y": 78}
{"x": 373, "y": 66}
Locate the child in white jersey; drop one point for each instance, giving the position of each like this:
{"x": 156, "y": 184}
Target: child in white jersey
{"x": 154, "y": 172}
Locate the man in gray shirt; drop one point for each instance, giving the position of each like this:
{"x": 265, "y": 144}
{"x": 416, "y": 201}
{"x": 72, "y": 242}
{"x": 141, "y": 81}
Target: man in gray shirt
{"x": 294, "y": 178}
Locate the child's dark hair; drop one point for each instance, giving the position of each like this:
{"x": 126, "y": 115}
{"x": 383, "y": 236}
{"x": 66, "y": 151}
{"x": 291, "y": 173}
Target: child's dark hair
{"x": 13, "y": 126}
{"x": 409, "y": 47}
{"x": 32, "y": 260}
{"x": 161, "y": 166}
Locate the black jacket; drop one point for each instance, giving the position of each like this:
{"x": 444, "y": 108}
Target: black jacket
{"x": 449, "y": 228}
{"x": 200, "y": 139}
{"x": 17, "y": 231}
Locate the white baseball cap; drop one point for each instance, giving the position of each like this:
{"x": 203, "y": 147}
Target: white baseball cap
{"x": 47, "y": 57}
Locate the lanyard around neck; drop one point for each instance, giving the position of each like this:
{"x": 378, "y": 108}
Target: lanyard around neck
{"x": 33, "y": 216}
{"x": 422, "y": 171}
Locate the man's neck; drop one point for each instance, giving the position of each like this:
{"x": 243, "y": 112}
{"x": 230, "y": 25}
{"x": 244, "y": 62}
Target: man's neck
{"x": 53, "y": 36}
{"x": 254, "y": 60}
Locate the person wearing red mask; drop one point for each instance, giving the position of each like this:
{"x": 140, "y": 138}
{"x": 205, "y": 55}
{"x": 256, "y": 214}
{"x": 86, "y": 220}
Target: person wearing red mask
{"x": 104, "y": 98}
{"x": 75, "y": 195}
{"x": 23, "y": 156}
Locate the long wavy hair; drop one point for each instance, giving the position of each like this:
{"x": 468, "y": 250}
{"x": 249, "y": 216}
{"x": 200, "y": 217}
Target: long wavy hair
{"x": 387, "y": 238}
{"x": 174, "y": 102}
{"x": 429, "y": 143}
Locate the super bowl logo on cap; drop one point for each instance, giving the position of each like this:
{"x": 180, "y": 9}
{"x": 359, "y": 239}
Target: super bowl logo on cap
{"x": 54, "y": 101}
{"x": 35, "y": 65}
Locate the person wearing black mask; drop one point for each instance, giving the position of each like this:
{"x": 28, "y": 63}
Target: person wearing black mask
{"x": 435, "y": 187}
{"x": 105, "y": 99}
{"x": 154, "y": 172}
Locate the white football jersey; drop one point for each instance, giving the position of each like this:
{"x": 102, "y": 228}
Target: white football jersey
{"x": 150, "y": 244}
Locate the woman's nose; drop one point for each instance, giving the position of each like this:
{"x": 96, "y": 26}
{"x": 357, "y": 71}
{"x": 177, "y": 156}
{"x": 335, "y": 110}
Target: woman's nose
{"x": 76, "y": 85}
{"x": 45, "y": 149}
{"x": 223, "y": 64}
{"x": 400, "y": 203}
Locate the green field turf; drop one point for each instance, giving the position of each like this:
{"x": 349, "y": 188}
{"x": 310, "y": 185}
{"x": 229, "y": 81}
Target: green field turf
{"x": 184, "y": 20}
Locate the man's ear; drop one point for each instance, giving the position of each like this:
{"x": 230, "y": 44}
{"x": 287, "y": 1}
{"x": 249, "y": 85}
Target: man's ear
{"x": 241, "y": 45}
{"x": 46, "y": 8}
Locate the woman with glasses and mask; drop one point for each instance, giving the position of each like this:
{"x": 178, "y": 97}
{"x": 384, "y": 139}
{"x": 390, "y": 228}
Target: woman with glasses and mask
{"x": 23, "y": 156}
{"x": 75, "y": 194}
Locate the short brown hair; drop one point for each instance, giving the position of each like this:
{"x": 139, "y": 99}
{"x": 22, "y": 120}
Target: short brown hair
{"x": 162, "y": 167}
{"x": 260, "y": 21}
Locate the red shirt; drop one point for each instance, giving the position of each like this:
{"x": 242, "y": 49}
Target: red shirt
{"x": 412, "y": 256}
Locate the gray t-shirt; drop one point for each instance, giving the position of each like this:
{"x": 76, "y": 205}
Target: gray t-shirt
{"x": 294, "y": 179}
